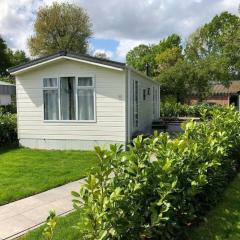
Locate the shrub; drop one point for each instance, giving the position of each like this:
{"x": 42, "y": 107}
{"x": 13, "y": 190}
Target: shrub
{"x": 161, "y": 185}
{"x": 9, "y": 108}
{"x": 184, "y": 110}
{"x": 8, "y": 129}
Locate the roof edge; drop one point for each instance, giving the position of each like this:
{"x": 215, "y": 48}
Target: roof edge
{"x": 64, "y": 54}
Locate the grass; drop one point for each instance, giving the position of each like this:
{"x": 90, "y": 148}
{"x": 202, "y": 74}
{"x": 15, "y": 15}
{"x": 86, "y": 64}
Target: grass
{"x": 24, "y": 172}
{"x": 64, "y": 229}
{"x": 223, "y": 222}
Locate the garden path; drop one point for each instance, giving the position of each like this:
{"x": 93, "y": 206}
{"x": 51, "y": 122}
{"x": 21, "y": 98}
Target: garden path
{"x": 21, "y": 216}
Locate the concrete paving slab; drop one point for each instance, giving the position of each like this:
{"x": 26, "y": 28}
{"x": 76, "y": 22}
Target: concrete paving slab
{"x": 21, "y": 216}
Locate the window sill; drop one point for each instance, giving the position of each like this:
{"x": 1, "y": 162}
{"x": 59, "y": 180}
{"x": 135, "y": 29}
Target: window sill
{"x": 69, "y": 121}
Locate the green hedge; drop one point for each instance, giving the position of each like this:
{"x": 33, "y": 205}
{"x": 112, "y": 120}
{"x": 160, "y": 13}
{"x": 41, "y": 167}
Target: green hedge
{"x": 160, "y": 186}
{"x": 8, "y": 129}
{"x": 184, "y": 110}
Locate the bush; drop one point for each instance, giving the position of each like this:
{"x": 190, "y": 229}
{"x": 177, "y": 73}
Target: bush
{"x": 9, "y": 108}
{"x": 161, "y": 185}
{"x": 8, "y": 129}
{"x": 184, "y": 110}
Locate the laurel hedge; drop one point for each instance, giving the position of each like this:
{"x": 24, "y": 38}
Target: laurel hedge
{"x": 160, "y": 186}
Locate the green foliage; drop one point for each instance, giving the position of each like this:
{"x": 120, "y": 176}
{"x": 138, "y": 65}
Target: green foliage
{"x": 168, "y": 58}
{"x": 139, "y": 57}
{"x": 64, "y": 229}
{"x": 8, "y": 128}
{"x": 151, "y": 55}
{"x": 160, "y": 185}
{"x": 16, "y": 57}
{"x": 59, "y": 27}
{"x": 9, "y": 58}
{"x": 212, "y": 53}
{"x": 214, "y": 48}
{"x": 101, "y": 55}
{"x": 51, "y": 223}
{"x": 183, "y": 110}
{"x": 4, "y": 63}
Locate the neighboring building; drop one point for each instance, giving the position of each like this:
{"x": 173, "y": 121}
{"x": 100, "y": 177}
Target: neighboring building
{"x": 69, "y": 101}
{"x": 222, "y": 95}
{"x": 7, "y": 90}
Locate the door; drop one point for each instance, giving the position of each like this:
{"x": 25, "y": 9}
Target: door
{"x": 135, "y": 104}
{"x": 155, "y": 102}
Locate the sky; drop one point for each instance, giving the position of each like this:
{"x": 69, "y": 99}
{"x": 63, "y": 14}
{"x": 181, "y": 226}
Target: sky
{"x": 118, "y": 25}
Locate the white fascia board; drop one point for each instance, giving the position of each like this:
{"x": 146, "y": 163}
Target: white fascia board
{"x": 65, "y": 57}
{"x": 93, "y": 63}
{"x": 143, "y": 75}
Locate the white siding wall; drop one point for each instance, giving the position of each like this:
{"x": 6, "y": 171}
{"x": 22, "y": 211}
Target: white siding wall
{"x": 110, "y": 109}
{"x": 146, "y": 115}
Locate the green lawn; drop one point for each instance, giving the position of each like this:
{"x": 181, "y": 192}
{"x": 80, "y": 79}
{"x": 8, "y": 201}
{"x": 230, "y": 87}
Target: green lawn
{"x": 223, "y": 222}
{"x": 64, "y": 229}
{"x": 24, "y": 172}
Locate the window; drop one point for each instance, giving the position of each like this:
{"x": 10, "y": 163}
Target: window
{"x": 135, "y": 104}
{"x": 85, "y": 96}
{"x": 144, "y": 94}
{"x": 50, "y": 96}
{"x": 69, "y": 98}
{"x": 149, "y": 91}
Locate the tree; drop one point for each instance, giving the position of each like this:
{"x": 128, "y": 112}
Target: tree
{"x": 4, "y": 60}
{"x": 148, "y": 55}
{"x": 60, "y": 27}
{"x": 167, "y": 58}
{"x": 17, "y": 57}
{"x": 212, "y": 53}
{"x": 217, "y": 42}
{"x": 102, "y": 55}
{"x": 139, "y": 57}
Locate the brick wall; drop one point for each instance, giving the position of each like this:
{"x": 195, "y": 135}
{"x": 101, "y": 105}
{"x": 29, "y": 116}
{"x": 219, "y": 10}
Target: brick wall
{"x": 222, "y": 100}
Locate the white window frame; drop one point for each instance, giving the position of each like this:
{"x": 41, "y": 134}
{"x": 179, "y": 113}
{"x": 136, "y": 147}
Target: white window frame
{"x": 76, "y": 97}
{"x": 135, "y": 104}
{"x": 93, "y": 87}
{"x": 50, "y": 88}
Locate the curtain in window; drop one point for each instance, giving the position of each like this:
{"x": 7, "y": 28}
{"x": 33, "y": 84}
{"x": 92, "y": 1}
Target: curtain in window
{"x": 85, "y": 104}
{"x": 49, "y": 82}
{"x": 67, "y": 98}
{"x": 51, "y": 111}
{"x": 85, "y": 81}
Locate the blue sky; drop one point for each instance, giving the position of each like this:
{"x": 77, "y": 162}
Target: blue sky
{"x": 109, "y": 46}
{"x": 118, "y": 25}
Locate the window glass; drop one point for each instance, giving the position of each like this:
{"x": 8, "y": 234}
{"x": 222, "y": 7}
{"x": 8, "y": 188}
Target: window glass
{"x": 85, "y": 104}
{"x": 144, "y": 94}
{"x": 149, "y": 91}
{"x": 51, "y": 110}
{"x": 85, "y": 81}
{"x": 67, "y": 98}
{"x": 136, "y": 104}
{"x": 49, "y": 82}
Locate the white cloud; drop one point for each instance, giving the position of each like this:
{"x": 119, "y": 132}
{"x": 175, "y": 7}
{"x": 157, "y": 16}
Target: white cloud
{"x": 128, "y": 21}
{"x": 127, "y": 44}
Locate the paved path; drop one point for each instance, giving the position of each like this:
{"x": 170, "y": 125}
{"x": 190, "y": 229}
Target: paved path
{"x": 18, "y": 217}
